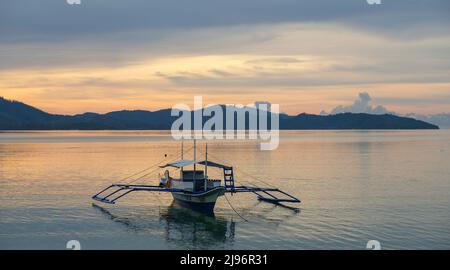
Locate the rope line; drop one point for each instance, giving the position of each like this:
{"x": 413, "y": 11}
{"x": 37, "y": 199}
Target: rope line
{"x": 147, "y": 174}
{"x": 254, "y": 178}
{"x": 241, "y": 171}
{"x": 156, "y": 169}
{"x": 229, "y": 203}
{"x": 218, "y": 159}
{"x": 136, "y": 174}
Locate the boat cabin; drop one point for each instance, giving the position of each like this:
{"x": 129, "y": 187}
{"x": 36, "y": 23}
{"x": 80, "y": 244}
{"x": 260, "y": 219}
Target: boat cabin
{"x": 193, "y": 180}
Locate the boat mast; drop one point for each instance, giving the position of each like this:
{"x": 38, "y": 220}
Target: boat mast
{"x": 182, "y": 155}
{"x": 195, "y": 158}
{"x": 182, "y": 149}
{"x": 206, "y": 166}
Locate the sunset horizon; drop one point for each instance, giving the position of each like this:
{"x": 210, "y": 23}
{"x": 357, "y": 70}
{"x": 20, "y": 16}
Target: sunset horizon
{"x": 370, "y": 104}
{"x": 153, "y": 60}
{"x": 225, "y": 133}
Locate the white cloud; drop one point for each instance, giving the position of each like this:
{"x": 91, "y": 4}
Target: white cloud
{"x": 441, "y": 119}
{"x": 363, "y": 104}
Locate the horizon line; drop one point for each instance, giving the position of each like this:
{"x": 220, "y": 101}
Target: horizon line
{"x": 322, "y": 113}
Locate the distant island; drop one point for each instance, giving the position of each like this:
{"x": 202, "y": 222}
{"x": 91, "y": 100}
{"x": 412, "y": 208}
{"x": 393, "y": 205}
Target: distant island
{"x": 15, "y": 115}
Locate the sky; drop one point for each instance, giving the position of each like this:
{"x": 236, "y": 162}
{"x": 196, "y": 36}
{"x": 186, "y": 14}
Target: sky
{"x": 306, "y": 55}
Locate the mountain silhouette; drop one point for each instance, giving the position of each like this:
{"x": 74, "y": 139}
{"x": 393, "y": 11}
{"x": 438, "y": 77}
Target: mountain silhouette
{"x": 16, "y": 115}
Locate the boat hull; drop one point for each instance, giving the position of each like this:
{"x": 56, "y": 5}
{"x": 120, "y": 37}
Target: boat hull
{"x": 202, "y": 202}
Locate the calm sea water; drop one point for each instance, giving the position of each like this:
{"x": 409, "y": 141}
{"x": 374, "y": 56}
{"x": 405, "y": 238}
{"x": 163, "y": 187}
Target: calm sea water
{"x": 355, "y": 186}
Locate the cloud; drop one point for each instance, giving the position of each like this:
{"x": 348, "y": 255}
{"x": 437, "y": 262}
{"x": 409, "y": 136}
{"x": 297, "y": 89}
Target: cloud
{"x": 304, "y": 54}
{"x": 363, "y": 104}
{"x": 23, "y": 20}
{"x": 275, "y": 60}
{"x": 441, "y": 119}
{"x": 221, "y": 73}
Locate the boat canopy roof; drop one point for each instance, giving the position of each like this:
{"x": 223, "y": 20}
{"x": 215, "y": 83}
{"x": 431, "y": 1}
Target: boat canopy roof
{"x": 183, "y": 163}
{"x": 179, "y": 163}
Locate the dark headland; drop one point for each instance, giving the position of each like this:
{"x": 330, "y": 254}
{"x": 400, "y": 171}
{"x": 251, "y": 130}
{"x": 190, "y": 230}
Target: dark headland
{"x": 15, "y": 115}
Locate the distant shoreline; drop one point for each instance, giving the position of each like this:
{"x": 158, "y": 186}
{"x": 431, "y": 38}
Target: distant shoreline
{"x": 19, "y": 116}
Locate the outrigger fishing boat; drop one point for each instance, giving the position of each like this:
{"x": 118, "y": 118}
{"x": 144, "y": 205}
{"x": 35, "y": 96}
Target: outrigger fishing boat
{"x": 193, "y": 188}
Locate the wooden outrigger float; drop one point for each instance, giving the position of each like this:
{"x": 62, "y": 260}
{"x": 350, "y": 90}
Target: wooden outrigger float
{"x": 193, "y": 188}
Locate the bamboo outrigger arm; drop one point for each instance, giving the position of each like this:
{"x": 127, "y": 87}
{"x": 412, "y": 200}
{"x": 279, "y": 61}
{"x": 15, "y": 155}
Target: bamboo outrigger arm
{"x": 270, "y": 192}
{"x": 117, "y": 191}
{"x": 194, "y": 188}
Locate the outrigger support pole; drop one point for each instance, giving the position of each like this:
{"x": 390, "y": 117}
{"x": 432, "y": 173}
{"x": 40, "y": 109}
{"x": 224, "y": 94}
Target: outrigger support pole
{"x": 270, "y": 192}
{"x": 206, "y": 167}
{"x": 195, "y": 158}
{"x": 121, "y": 190}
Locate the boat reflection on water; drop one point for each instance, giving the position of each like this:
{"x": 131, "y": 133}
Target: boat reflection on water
{"x": 183, "y": 227}
{"x": 195, "y": 229}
